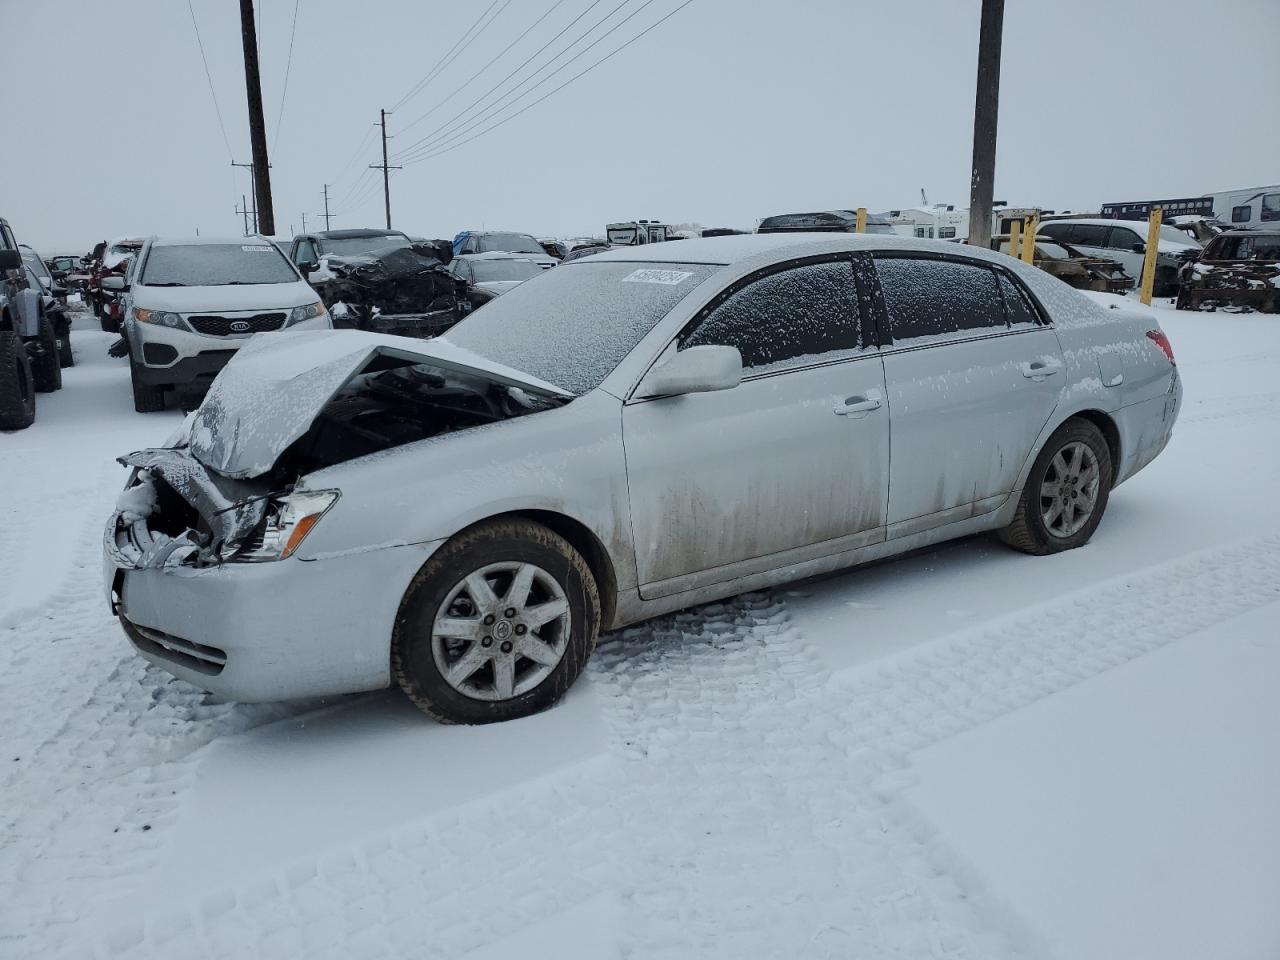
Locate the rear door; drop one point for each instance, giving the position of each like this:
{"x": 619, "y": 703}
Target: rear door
{"x": 1122, "y": 244}
{"x": 973, "y": 373}
{"x": 790, "y": 465}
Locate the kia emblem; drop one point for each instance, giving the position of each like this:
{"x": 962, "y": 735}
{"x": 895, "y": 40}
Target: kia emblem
{"x": 240, "y": 326}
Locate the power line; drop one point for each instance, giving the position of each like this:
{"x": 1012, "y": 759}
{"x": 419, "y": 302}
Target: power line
{"x": 287, "y": 65}
{"x": 359, "y": 182}
{"x": 508, "y": 99}
{"x": 431, "y": 74}
{"x": 359, "y": 146}
{"x": 208, "y": 76}
{"x": 469, "y": 80}
{"x": 417, "y": 143}
{"x": 582, "y": 73}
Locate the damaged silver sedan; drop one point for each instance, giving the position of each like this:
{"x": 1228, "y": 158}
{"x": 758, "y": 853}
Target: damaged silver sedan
{"x": 618, "y": 438}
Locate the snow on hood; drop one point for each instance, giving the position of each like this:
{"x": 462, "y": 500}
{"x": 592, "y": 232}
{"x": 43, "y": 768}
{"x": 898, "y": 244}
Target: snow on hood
{"x": 226, "y": 297}
{"x": 271, "y": 392}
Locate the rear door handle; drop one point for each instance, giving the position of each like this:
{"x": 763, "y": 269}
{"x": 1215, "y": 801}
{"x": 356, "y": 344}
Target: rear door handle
{"x": 1040, "y": 369}
{"x": 856, "y": 407}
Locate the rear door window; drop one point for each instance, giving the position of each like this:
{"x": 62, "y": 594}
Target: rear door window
{"x": 933, "y": 298}
{"x": 1018, "y": 309}
{"x": 789, "y": 318}
{"x": 1088, "y": 235}
{"x": 1122, "y": 238}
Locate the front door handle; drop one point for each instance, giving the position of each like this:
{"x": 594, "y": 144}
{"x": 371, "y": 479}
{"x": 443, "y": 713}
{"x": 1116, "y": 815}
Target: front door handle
{"x": 856, "y": 407}
{"x": 1040, "y": 369}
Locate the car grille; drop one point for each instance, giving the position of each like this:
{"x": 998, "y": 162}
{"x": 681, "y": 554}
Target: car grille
{"x": 223, "y": 326}
{"x": 187, "y": 653}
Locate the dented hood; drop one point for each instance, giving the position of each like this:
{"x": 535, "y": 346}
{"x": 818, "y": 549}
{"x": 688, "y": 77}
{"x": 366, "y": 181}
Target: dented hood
{"x": 276, "y": 385}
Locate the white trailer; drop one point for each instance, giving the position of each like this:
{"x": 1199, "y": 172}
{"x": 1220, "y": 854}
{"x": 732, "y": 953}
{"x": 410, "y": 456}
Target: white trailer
{"x": 1248, "y": 207}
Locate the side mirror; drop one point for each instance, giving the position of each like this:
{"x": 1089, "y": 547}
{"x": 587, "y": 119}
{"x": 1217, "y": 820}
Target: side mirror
{"x": 695, "y": 370}
{"x": 10, "y": 259}
{"x": 308, "y": 266}
{"x": 1139, "y": 248}
{"x": 114, "y": 283}
{"x": 58, "y": 274}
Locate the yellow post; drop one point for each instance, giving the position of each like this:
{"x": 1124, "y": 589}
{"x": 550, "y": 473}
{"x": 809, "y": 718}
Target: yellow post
{"x": 1015, "y": 237}
{"x": 1029, "y": 239}
{"x": 1153, "y": 248}
{"x": 860, "y": 225}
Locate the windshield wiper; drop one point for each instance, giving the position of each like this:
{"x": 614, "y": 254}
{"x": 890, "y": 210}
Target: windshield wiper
{"x": 166, "y": 283}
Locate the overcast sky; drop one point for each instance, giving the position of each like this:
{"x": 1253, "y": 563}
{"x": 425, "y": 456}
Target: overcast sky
{"x": 729, "y": 111}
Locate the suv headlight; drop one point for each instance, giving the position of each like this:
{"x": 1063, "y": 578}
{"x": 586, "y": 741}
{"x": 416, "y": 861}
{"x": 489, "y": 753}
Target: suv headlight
{"x": 160, "y": 318}
{"x": 289, "y": 519}
{"x": 308, "y": 311}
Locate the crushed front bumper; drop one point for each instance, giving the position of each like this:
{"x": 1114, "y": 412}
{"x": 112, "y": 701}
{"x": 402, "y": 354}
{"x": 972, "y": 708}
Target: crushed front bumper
{"x": 257, "y": 632}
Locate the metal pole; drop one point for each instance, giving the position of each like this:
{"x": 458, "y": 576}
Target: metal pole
{"x": 985, "y": 114}
{"x": 386, "y": 174}
{"x": 265, "y": 221}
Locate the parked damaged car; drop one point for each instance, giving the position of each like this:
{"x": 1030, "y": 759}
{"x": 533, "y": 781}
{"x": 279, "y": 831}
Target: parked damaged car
{"x": 489, "y": 275}
{"x": 1239, "y": 270}
{"x": 1073, "y": 267}
{"x": 382, "y": 280}
{"x": 631, "y": 434}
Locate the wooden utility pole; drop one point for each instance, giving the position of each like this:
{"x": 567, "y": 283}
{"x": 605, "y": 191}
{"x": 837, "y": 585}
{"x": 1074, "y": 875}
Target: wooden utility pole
{"x": 257, "y": 127}
{"x": 304, "y": 223}
{"x": 326, "y": 206}
{"x": 244, "y": 209}
{"x": 985, "y": 113}
{"x": 386, "y": 170}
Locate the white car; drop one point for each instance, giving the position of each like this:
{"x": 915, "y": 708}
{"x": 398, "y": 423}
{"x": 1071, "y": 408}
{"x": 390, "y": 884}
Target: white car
{"x": 1125, "y": 241}
{"x": 191, "y": 303}
{"x": 624, "y": 436}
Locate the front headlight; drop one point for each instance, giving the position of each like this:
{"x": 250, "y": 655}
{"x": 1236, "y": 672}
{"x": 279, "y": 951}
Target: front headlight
{"x": 289, "y": 520}
{"x": 308, "y": 311}
{"x": 161, "y": 318}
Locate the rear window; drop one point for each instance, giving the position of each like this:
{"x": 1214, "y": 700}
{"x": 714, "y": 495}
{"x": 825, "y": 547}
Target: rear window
{"x": 352, "y": 246}
{"x": 510, "y": 243}
{"x": 216, "y": 265}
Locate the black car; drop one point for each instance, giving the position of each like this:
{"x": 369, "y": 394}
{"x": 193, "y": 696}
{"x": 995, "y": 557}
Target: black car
{"x": 826, "y": 221}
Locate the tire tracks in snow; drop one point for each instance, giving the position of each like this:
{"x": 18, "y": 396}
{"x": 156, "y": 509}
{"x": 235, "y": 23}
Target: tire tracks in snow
{"x": 752, "y": 806}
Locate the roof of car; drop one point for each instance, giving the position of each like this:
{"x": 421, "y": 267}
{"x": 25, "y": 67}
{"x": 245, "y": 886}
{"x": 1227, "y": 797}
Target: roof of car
{"x": 352, "y": 234}
{"x": 495, "y": 255}
{"x": 727, "y": 250}
{"x": 252, "y": 240}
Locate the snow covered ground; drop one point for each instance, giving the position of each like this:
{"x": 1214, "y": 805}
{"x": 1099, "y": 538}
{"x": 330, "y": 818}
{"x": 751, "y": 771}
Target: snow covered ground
{"x": 967, "y": 753}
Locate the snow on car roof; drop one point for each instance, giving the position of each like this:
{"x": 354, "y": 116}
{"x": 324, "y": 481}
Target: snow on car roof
{"x": 255, "y": 240}
{"x": 727, "y": 250}
{"x": 495, "y": 255}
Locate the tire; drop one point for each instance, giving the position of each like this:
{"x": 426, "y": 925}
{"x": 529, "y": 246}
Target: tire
{"x": 46, "y": 370}
{"x": 65, "y": 357}
{"x": 17, "y": 392}
{"x": 1166, "y": 284}
{"x": 497, "y": 550}
{"x": 1030, "y": 531}
{"x": 146, "y": 398}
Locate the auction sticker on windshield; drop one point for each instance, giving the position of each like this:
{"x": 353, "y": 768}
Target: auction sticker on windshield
{"x": 668, "y": 277}
{"x": 258, "y": 248}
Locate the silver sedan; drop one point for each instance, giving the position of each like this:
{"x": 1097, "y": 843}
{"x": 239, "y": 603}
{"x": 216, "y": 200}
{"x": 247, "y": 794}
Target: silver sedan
{"x": 618, "y": 438}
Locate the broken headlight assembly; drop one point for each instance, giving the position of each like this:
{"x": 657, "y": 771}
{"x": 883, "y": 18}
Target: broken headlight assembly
{"x": 308, "y": 311}
{"x": 288, "y": 521}
{"x": 161, "y": 318}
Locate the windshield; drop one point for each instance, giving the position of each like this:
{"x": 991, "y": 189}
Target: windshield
{"x": 486, "y": 271}
{"x": 572, "y": 325}
{"x": 350, "y": 246}
{"x": 38, "y": 268}
{"x": 1177, "y": 236}
{"x": 510, "y": 243}
{"x": 216, "y": 265}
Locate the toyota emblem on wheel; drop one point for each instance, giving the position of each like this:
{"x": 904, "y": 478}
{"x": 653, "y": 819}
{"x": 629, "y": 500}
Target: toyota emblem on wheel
{"x": 240, "y": 326}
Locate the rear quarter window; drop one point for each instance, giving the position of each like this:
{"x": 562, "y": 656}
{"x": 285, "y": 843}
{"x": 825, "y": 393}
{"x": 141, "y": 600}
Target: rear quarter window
{"x": 931, "y": 298}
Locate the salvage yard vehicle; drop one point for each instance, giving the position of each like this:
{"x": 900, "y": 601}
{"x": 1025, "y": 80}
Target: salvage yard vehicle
{"x": 401, "y": 290}
{"x": 1239, "y": 270}
{"x": 110, "y": 260}
{"x": 827, "y": 221}
{"x": 631, "y": 434}
{"x": 634, "y": 233}
{"x": 53, "y": 301}
{"x": 29, "y": 361}
{"x": 500, "y": 241}
{"x": 309, "y": 249}
{"x": 1073, "y": 267}
{"x": 489, "y": 275}
{"x": 191, "y": 303}
{"x": 1126, "y": 241}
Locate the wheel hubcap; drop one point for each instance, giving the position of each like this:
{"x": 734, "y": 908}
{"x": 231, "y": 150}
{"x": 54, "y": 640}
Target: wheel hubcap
{"x": 501, "y": 630}
{"x": 1069, "y": 490}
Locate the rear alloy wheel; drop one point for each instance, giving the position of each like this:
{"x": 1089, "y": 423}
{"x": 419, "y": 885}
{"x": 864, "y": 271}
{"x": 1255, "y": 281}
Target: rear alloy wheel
{"x": 17, "y": 392}
{"x": 46, "y": 366}
{"x": 1066, "y": 492}
{"x": 497, "y": 625}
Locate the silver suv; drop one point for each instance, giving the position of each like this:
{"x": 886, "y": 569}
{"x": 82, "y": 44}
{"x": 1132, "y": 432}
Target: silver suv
{"x": 28, "y": 346}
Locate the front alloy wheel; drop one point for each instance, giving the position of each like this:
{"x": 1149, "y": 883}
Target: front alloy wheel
{"x": 498, "y": 624}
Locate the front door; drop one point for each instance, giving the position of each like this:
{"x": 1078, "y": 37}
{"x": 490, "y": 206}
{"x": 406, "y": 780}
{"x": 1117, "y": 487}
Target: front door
{"x": 973, "y": 374}
{"x": 790, "y": 465}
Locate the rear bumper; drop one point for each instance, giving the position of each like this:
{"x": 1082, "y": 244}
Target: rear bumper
{"x": 269, "y": 631}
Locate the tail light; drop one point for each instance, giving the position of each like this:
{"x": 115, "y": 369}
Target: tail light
{"x": 1160, "y": 340}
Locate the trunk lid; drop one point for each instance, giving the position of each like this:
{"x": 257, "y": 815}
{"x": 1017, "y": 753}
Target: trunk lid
{"x": 275, "y": 387}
